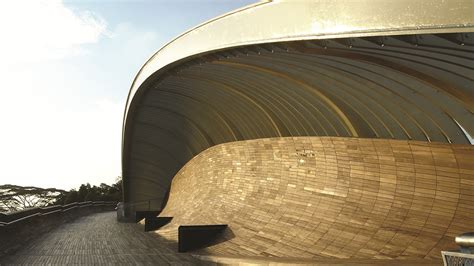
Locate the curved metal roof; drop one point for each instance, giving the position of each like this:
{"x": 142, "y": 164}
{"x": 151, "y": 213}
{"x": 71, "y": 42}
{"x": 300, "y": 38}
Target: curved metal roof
{"x": 373, "y": 69}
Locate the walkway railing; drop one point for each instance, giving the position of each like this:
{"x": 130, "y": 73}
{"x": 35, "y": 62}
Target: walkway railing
{"x": 18, "y": 228}
{"x": 11, "y": 217}
{"x": 465, "y": 255}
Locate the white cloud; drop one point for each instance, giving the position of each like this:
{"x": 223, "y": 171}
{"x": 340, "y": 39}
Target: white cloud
{"x": 35, "y": 30}
{"x": 60, "y": 114}
{"x": 53, "y": 147}
{"x": 50, "y": 134}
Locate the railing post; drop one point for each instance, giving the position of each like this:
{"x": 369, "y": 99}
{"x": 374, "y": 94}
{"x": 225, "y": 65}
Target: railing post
{"x": 464, "y": 256}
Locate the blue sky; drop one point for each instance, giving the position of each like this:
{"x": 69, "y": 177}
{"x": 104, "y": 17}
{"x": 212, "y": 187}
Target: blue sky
{"x": 66, "y": 70}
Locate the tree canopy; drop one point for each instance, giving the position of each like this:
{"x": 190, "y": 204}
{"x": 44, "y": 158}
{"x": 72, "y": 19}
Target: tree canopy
{"x": 86, "y": 192}
{"x": 14, "y": 198}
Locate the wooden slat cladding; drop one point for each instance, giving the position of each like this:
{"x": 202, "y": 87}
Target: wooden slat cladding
{"x": 311, "y": 197}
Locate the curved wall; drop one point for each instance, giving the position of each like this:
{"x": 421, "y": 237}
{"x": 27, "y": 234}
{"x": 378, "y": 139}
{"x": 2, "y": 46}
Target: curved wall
{"x": 346, "y": 87}
{"x": 312, "y": 197}
{"x": 370, "y": 69}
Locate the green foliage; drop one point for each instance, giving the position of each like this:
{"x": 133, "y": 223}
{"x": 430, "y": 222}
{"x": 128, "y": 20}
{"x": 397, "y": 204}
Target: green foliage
{"x": 69, "y": 197}
{"x": 86, "y": 192}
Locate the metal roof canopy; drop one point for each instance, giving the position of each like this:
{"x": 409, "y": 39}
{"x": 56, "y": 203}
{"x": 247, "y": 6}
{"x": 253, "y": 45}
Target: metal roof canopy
{"x": 373, "y": 69}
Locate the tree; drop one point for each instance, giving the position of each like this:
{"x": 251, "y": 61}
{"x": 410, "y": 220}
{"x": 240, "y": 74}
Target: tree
{"x": 14, "y": 198}
{"x": 86, "y": 192}
{"x": 91, "y": 195}
{"x": 68, "y": 197}
{"x": 83, "y": 190}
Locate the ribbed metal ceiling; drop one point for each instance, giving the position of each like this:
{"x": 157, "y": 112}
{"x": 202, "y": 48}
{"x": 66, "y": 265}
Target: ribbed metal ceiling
{"x": 413, "y": 87}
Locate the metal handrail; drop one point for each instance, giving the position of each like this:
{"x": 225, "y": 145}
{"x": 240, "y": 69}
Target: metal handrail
{"x": 456, "y": 258}
{"x": 7, "y": 218}
{"x": 465, "y": 255}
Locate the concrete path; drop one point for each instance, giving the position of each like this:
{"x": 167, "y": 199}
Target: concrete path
{"x": 100, "y": 239}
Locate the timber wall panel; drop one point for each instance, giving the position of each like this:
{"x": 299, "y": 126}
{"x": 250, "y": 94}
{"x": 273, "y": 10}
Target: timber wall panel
{"x": 311, "y": 197}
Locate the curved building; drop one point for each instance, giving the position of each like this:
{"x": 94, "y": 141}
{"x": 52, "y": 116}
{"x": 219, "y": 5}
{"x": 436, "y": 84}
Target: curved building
{"x": 337, "y": 129}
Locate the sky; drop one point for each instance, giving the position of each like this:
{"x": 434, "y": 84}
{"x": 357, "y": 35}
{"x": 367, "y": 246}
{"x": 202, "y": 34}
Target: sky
{"x": 65, "y": 71}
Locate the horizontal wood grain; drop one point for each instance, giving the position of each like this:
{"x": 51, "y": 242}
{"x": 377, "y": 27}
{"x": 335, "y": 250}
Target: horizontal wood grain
{"x": 316, "y": 197}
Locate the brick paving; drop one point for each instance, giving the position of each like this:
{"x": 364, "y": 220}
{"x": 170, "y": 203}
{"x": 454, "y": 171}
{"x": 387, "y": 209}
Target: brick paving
{"x": 100, "y": 239}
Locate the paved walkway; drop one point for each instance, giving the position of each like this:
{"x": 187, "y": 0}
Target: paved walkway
{"x": 100, "y": 239}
